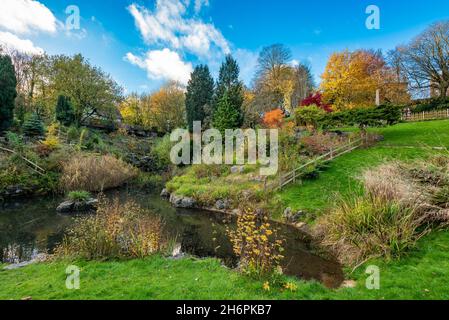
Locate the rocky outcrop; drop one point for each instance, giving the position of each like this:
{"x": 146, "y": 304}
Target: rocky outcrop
{"x": 222, "y": 204}
{"x": 144, "y": 163}
{"x": 77, "y": 206}
{"x": 182, "y": 202}
{"x": 165, "y": 194}
{"x": 293, "y": 217}
{"x": 15, "y": 191}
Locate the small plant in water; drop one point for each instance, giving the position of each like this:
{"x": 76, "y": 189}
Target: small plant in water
{"x": 256, "y": 244}
{"x": 79, "y": 196}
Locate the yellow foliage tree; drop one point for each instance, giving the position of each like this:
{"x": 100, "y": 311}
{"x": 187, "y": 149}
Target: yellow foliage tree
{"x": 351, "y": 80}
{"x": 168, "y": 108}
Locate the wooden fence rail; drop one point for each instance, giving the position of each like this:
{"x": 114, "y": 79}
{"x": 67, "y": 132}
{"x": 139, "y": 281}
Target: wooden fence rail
{"x": 33, "y": 166}
{"x": 426, "y": 115}
{"x": 294, "y": 175}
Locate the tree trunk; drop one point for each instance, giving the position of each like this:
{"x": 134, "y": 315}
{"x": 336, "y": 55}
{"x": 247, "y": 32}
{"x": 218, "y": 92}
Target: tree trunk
{"x": 443, "y": 93}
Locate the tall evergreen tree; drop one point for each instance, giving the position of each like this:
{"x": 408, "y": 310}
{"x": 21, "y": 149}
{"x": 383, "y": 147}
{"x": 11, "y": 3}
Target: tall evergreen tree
{"x": 200, "y": 90}
{"x": 64, "y": 111}
{"x": 226, "y": 116}
{"x": 229, "y": 84}
{"x": 8, "y": 92}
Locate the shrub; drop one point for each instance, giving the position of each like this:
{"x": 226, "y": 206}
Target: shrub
{"x": 431, "y": 104}
{"x": 363, "y": 117}
{"x": 116, "y": 231}
{"x": 309, "y": 116}
{"x": 273, "y": 119}
{"x": 73, "y": 134}
{"x": 256, "y": 244}
{"x": 95, "y": 173}
{"x": 161, "y": 151}
{"x": 79, "y": 196}
{"x": 317, "y": 100}
{"x": 33, "y": 126}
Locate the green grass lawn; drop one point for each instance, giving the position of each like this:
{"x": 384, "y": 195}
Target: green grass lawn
{"x": 417, "y": 276}
{"x": 422, "y": 274}
{"x": 406, "y": 141}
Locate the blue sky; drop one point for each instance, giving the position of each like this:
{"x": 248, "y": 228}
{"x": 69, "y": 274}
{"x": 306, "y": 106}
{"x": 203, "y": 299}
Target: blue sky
{"x": 142, "y": 44}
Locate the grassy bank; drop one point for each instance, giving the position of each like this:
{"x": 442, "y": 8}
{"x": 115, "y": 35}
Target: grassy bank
{"x": 406, "y": 141}
{"x": 417, "y": 276}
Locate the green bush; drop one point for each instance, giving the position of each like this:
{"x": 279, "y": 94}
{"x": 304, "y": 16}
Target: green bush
{"x": 161, "y": 152}
{"x": 79, "y": 195}
{"x": 309, "y": 116}
{"x": 431, "y": 104}
{"x": 73, "y": 134}
{"x": 33, "y": 126}
{"x": 363, "y": 117}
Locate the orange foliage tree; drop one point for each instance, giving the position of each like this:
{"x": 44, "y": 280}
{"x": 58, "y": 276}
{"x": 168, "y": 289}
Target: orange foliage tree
{"x": 273, "y": 119}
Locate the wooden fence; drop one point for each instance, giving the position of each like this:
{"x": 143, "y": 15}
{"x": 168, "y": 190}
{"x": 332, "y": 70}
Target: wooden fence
{"x": 295, "y": 175}
{"x": 426, "y": 115}
{"x": 33, "y": 166}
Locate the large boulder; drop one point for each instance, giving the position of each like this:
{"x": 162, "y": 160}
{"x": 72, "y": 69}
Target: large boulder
{"x": 182, "y": 202}
{"x": 77, "y": 206}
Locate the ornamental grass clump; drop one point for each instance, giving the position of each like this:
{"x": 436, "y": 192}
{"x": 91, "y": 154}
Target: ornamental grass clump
{"x": 95, "y": 173}
{"x": 401, "y": 203}
{"x": 116, "y": 231}
{"x": 256, "y": 243}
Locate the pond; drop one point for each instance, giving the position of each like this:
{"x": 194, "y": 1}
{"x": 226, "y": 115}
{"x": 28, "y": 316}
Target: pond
{"x": 29, "y": 227}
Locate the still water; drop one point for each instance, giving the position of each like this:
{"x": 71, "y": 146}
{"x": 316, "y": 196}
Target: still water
{"x": 29, "y": 227}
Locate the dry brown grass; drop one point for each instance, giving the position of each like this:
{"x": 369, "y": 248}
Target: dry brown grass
{"x": 95, "y": 173}
{"x": 401, "y": 203}
{"x": 116, "y": 231}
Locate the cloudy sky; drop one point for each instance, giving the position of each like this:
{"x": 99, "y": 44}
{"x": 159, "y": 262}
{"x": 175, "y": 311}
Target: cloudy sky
{"x": 143, "y": 43}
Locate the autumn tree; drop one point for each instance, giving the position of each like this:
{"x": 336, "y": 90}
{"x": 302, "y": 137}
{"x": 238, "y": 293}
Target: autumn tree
{"x": 278, "y": 83}
{"x": 351, "y": 79}
{"x": 132, "y": 110}
{"x": 8, "y": 92}
{"x": 200, "y": 90}
{"x": 168, "y": 108}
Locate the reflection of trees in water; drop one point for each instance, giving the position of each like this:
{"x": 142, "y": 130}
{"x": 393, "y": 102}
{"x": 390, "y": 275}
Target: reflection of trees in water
{"x": 205, "y": 238}
{"x": 29, "y": 228}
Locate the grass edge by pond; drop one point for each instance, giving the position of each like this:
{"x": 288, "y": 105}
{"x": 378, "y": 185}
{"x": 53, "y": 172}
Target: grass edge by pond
{"x": 413, "y": 277}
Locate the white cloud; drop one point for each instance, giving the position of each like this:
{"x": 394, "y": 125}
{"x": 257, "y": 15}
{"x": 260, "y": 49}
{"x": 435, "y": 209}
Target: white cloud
{"x": 199, "y": 5}
{"x": 247, "y": 61}
{"x": 294, "y": 63}
{"x": 163, "y": 64}
{"x": 26, "y": 16}
{"x": 11, "y": 41}
{"x": 168, "y": 25}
